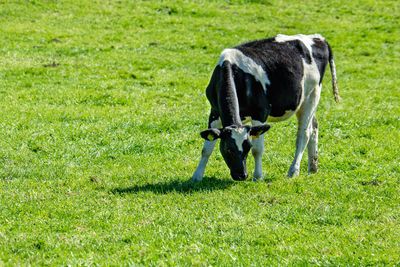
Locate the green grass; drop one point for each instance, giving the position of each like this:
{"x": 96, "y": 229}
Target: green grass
{"x": 101, "y": 105}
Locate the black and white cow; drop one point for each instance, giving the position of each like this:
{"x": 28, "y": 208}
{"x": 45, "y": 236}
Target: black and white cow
{"x": 266, "y": 80}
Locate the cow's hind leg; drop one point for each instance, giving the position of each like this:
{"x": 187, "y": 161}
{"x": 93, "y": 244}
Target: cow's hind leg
{"x": 305, "y": 129}
{"x": 312, "y": 147}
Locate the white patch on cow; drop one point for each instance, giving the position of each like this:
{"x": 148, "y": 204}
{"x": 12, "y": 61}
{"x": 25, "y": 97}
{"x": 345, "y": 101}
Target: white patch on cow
{"x": 311, "y": 77}
{"x": 246, "y": 64}
{"x": 239, "y": 135}
{"x": 306, "y": 39}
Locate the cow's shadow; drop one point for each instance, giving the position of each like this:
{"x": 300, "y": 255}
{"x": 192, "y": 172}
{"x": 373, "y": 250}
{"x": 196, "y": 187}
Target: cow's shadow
{"x": 184, "y": 187}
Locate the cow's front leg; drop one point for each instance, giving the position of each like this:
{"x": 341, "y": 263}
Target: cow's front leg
{"x": 257, "y": 150}
{"x": 205, "y": 155}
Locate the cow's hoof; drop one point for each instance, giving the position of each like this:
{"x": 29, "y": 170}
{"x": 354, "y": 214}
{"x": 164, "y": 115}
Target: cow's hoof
{"x": 313, "y": 165}
{"x": 292, "y": 174}
{"x": 195, "y": 179}
{"x": 258, "y": 179}
{"x": 313, "y": 169}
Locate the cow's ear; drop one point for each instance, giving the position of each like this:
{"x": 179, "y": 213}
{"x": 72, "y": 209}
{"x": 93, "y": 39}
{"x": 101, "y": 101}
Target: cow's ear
{"x": 210, "y": 134}
{"x": 258, "y": 130}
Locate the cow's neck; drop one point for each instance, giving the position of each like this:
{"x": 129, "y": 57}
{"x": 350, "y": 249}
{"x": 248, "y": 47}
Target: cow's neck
{"x": 228, "y": 101}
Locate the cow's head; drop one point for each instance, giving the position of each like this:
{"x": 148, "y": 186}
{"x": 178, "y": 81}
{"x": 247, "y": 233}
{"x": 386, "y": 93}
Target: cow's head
{"x": 235, "y": 145}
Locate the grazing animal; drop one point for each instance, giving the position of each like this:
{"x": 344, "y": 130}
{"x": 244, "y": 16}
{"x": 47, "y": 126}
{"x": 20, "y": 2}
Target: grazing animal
{"x": 266, "y": 80}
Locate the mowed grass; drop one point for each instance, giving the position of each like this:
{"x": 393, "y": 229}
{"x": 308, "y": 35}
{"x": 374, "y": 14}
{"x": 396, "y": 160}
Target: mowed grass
{"x": 101, "y": 105}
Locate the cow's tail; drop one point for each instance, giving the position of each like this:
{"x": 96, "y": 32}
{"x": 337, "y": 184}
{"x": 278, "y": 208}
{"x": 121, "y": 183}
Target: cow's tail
{"x": 334, "y": 77}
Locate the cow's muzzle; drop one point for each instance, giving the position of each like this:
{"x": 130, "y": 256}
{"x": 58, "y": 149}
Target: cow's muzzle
{"x": 239, "y": 177}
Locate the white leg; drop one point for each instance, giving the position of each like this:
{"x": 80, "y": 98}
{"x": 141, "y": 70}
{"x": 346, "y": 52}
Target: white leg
{"x": 313, "y": 147}
{"x": 257, "y": 150}
{"x": 303, "y": 136}
{"x": 205, "y": 155}
{"x": 304, "y": 130}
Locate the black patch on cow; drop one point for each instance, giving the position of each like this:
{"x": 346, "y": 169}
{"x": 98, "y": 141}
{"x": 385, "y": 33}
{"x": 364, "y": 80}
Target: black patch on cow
{"x": 283, "y": 63}
{"x": 221, "y": 93}
{"x": 253, "y": 100}
{"x": 320, "y": 53}
{"x": 250, "y": 93}
{"x": 260, "y": 50}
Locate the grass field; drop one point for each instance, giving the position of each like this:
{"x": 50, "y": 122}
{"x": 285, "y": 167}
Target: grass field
{"x": 101, "y": 105}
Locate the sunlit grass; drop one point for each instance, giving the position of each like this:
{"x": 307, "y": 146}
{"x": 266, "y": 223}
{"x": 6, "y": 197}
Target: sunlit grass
{"x": 101, "y": 105}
